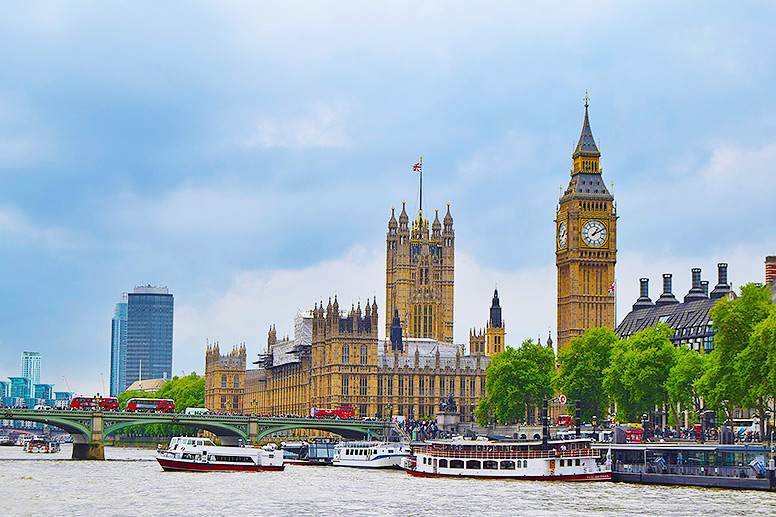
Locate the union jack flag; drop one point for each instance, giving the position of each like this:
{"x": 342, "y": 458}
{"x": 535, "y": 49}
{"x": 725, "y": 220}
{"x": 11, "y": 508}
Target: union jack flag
{"x": 612, "y": 287}
{"x": 418, "y": 167}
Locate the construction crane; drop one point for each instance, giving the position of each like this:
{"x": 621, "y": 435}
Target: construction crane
{"x": 67, "y": 384}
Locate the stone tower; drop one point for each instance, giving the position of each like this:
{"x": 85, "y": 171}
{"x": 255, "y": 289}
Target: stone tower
{"x": 419, "y": 275}
{"x": 491, "y": 340}
{"x": 585, "y": 245}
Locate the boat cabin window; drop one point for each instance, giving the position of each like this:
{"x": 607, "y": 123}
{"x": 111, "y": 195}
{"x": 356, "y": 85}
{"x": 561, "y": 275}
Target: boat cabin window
{"x": 562, "y": 463}
{"x": 443, "y": 463}
{"x": 490, "y": 465}
{"x": 576, "y": 463}
{"x": 473, "y": 464}
{"x": 456, "y": 464}
{"x": 507, "y": 465}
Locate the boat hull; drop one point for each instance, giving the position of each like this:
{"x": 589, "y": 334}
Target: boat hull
{"x": 595, "y": 476}
{"x": 170, "y": 464}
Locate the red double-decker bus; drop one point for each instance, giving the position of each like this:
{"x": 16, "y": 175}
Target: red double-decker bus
{"x": 339, "y": 411}
{"x": 95, "y": 404}
{"x": 157, "y": 405}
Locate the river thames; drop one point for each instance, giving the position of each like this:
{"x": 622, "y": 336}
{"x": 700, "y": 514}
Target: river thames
{"x": 131, "y": 482}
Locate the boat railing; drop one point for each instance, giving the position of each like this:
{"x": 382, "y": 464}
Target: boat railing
{"x": 509, "y": 455}
{"x": 728, "y": 471}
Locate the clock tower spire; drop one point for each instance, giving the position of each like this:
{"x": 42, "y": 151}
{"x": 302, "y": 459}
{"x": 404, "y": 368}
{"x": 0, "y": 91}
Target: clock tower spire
{"x": 585, "y": 244}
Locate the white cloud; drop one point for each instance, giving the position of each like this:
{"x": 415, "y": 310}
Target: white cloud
{"x": 323, "y": 126}
{"x": 16, "y": 225}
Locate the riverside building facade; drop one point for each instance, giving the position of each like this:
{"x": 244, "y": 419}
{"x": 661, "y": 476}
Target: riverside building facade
{"x": 336, "y": 356}
{"x": 341, "y": 361}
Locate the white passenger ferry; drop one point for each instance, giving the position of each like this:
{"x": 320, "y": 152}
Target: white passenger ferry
{"x": 567, "y": 460}
{"x": 202, "y": 455}
{"x": 370, "y": 454}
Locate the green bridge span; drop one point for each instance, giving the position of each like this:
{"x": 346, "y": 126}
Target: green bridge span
{"x": 88, "y": 428}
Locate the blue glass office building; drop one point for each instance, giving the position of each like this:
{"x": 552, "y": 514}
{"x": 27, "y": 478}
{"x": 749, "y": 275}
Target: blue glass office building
{"x": 149, "y": 334}
{"x": 118, "y": 348}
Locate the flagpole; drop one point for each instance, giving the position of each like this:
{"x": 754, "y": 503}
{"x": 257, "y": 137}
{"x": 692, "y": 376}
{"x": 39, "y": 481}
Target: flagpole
{"x": 421, "y": 185}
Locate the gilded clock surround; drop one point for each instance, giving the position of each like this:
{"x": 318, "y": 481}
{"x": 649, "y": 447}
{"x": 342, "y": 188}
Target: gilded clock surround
{"x": 585, "y": 272}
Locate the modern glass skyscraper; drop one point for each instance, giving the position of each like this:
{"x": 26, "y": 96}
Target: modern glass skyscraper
{"x": 118, "y": 347}
{"x": 31, "y": 367}
{"x": 149, "y": 334}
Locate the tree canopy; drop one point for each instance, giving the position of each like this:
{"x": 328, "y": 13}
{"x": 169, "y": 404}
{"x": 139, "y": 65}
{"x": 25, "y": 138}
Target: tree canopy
{"x": 580, "y": 375}
{"x": 636, "y": 378}
{"x": 516, "y": 379}
{"x": 734, "y": 375}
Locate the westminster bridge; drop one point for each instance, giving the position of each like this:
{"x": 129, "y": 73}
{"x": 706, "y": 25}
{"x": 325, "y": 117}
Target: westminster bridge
{"x": 88, "y": 428}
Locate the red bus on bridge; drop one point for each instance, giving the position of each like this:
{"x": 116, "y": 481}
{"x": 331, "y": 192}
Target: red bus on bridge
{"x": 339, "y": 411}
{"x": 156, "y": 405}
{"x": 95, "y": 404}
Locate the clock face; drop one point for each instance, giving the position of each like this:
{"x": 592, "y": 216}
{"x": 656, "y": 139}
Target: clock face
{"x": 594, "y": 233}
{"x": 562, "y": 234}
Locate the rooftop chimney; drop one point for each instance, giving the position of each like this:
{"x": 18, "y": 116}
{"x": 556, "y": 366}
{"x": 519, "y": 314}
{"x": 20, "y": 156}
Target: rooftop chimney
{"x": 722, "y": 288}
{"x": 643, "y": 302}
{"x": 696, "y": 292}
{"x": 667, "y": 298}
{"x": 770, "y": 269}
{"x": 705, "y": 287}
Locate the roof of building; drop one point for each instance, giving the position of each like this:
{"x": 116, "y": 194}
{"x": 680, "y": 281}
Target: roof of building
{"x": 586, "y": 145}
{"x": 679, "y": 316}
{"x": 149, "y": 385}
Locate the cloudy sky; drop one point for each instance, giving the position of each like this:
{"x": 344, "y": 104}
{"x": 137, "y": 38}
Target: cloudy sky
{"x": 247, "y": 155}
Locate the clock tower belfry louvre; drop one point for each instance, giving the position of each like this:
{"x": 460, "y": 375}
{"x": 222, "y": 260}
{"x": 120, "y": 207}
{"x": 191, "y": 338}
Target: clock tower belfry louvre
{"x": 585, "y": 245}
{"x": 419, "y": 275}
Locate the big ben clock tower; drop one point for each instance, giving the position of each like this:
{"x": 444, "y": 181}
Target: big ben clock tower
{"x": 585, "y": 245}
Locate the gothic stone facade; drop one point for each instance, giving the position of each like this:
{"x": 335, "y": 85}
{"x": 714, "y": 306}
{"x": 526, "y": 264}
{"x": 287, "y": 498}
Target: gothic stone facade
{"x": 342, "y": 361}
{"x": 419, "y": 275}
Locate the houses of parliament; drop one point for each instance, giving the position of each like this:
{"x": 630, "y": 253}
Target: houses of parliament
{"x": 336, "y": 356}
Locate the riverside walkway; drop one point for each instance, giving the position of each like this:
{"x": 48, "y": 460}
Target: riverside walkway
{"x": 89, "y": 428}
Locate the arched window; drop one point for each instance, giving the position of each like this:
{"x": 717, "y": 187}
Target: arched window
{"x": 223, "y": 381}
{"x": 346, "y": 354}
{"x": 364, "y": 357}
{"x": 236, "y": 381}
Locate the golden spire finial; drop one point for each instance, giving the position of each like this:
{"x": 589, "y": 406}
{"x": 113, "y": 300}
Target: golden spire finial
{"x": 586, "y": 98}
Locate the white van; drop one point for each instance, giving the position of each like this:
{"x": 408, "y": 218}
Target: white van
{"x": 197, "y": 411}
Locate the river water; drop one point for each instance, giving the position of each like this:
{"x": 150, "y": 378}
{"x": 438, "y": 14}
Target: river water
{"x": 131, "y": 482}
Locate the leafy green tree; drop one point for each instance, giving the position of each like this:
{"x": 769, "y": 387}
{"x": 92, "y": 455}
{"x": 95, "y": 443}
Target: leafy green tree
{"x": 636, "y": 377}
{"x": 581, "y": 372}
{"x": 683, "y": 382}
{"x": 516, "y": 380}
{"x": 755, "y": 366}
{"x": 733, "y": 377}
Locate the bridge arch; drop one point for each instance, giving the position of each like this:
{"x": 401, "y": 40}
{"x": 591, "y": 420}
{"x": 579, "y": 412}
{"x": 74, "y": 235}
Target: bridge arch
{"x": 351, "y": 432}
{"x": 229, "y": 434}
{"x": 79, "y": 429}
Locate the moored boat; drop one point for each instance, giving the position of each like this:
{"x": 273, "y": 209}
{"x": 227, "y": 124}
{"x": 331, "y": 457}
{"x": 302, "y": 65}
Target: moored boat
{"x": 202, "y": 455}
{"x": 370, "y": 454}
{"x": 563, "y": 460}
{"x": 41, "y": 445}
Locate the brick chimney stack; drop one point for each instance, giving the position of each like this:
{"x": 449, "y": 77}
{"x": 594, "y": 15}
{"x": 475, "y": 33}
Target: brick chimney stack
{"x": 770, "y": 269}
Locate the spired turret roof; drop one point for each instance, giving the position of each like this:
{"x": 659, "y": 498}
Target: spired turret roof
{"x": 586, "y": 145}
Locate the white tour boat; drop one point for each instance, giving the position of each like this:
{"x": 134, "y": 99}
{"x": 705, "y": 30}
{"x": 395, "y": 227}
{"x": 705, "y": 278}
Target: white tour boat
{"x": 41, "y": 445}
{"x": 202, "y": 455}
{"x": 370, "y": 454}
{"x": 566, "y": 460}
